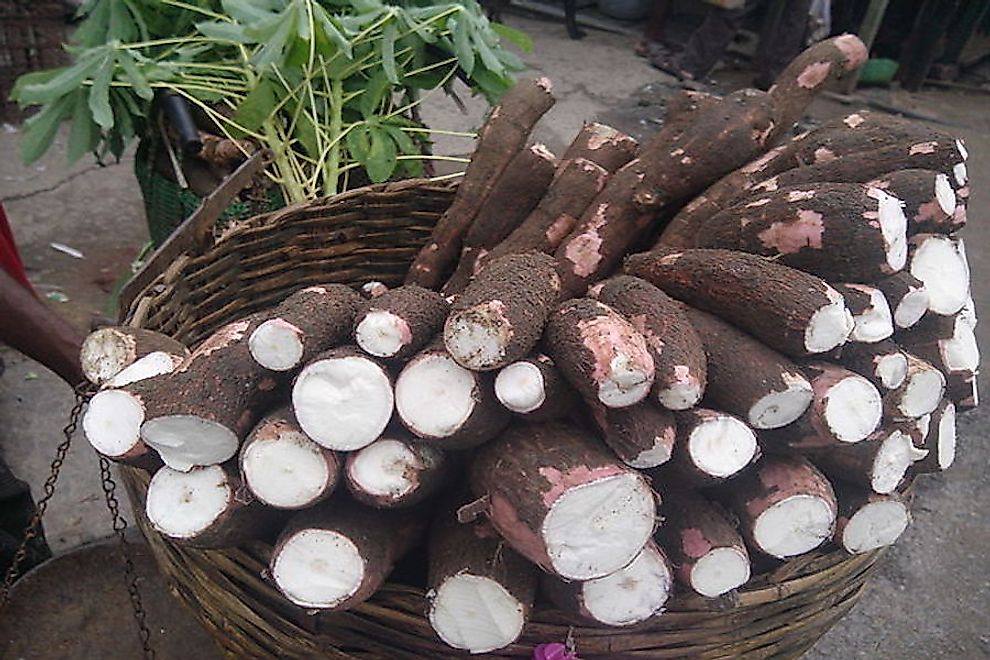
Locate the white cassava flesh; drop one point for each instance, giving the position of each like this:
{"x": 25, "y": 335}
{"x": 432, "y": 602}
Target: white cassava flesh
{"x": 478, "y": 340}
{"x": 875, "y": 525}
{"x": 680, "y": 396}
{"x": 829, "y": 326}
{"x": 627, "y": 383}
{"x": 475, "y": 613}
{"x": 276, "y": 344}
{"x": 597, "y": 528}
{"x": 631, "y": 594}
{"x": 112, "y": 422}
{"x": 896, "y": 454}
{"x": 794, "y": 525}
{"x": 187, "y": 441}
{"x": 961, "y": 352}
{"x": 912, "y": 307}
{"x": 968, "y": 313}
{"x": 435, "y": 396}
{"x": 923, "y": 391}
{"x": 181, "y": 505}
{"x": 382, "y": 334}
{"x": 853, "y": 409}
{"x": 520, "y": 387}
{"x": 719, "y": 571}
{"x": 388, "y": 467}
{"x": 938, "y": 263}
{"x": 946, "y": 449}
{"x": 318, "y": 568}
{"x": 286, "y": 472}
{"x": 893, "y": 226}
{"x": 343, "y": 403}
{"x": 876, "y": 322}
{"x": 780, "y": 408}
{"x": 722, "y": 446}
{"x": 892, "y": 370}
{"x": 945, "y": 195}
{"x": 153, "y": 364}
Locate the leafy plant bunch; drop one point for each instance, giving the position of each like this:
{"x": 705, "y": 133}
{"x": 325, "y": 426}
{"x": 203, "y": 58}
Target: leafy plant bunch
{"x": 328, "y": 85}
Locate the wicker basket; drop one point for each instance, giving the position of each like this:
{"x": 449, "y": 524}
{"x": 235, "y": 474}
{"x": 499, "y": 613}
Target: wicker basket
{"x": 31, "y": 36}
{"x": 373, "y": 233}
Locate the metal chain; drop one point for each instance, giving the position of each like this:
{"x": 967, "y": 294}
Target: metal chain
{"x": 119, "y": 527}
{"x": 83, "y": 395}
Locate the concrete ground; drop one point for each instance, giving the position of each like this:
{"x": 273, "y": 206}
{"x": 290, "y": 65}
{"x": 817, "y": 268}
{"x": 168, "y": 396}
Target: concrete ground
{"x": 932, "y": 594}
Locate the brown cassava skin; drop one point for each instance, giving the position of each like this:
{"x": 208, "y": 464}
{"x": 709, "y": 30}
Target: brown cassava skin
{"x": 578, "y": 181}
{"x": 633, "y": 431}
{"x": 682, "y": 468}
{"x": 684, "y": 106}
{"x": 515, "y": 293}
{"x": 678, "y": 352}
{"x": 219, "y": 382}
{"x": 897, "y": 286}
{"x": 892, "y": 400}
{"x": 135, "y": 342}
{"x": 429, "y": 474}
{"x": 854, "y": 134}
{"x": 560, "y": 399}
{"x": 568, "y": 597}
{"x": 525, "y": 471}
{"x": 423, "y": 311}
{"x": 381, "y": 537}
{"x": 513, "y": 197}
{"x": 811, "y": 431}
{"x": 602, "y": 145}
{"x": 853, "y": 498}
{"x": 269, "y": 429}
{"x": 773, "y": 480}
{"x": 931, "y": 441}
{"x": 583, "y": 337}
{"x": 671, "y": 166}
{"x": 321, "y": 315}
{"x": 829, "y": 230}
{"x": 693, "y": 527}
{"x": 741, "y": 369}
{"x": 864, "y": 359}
{"x": 244, "y": 519}
{"x": 809, "y": 73}
{"x": 503, "y": 135}
{"x": 855, "y": 462}
{"x": 916, "y": 188}
{"x": 770, "y": 301}
{"x": 925, "y": 341}
{"x": 487, "y": 418}
{"x": 476, "y": 549}
{"x": 961, "y": 389}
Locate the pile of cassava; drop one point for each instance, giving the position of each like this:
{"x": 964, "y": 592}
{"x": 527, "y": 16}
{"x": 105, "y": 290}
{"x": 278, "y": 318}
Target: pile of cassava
{"x": 652, "y": 364}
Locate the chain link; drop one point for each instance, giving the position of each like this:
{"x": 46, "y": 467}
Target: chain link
{"x": 119, "y": 528}
{"x": 83, "y": 395}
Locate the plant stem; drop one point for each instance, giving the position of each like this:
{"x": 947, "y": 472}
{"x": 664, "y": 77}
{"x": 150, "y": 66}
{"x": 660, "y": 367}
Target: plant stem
{"x": 332, "y": 172}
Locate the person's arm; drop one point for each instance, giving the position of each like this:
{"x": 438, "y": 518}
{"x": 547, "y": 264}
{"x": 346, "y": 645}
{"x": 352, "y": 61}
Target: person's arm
{"x": 29, "y": 326}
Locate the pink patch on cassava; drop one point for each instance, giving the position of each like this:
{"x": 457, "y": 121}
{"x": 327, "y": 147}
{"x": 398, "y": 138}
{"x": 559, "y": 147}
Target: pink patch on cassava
{"x": 853, "y": 49}
{"x": 584, "y": 252}
{"x": 760, "y": 137}
{"x": 770, "y": 185}
{"x": 854, "y": 120}
{"x": 694, "y": 543}
{"x": 814, "y": 75}
{"x": 523, "y": 540}
{"x": 682, "y": 374}
{"x": 686, "y": 160}
{"x": 222, "y": 338}
{"x": 759, "y": 202}
{"x": 655, "y": 342}
{"x": 791, "y": 237}
{"x": 930, "y": 211}
{"x": 959, "y": 217}
{"x": 823, "y": 155}
{"x": 696, "y": 203}
{"x": 963, "y": 193}
{"x": 799, "y": 195}
{"x": 610, "y": 335}
{"x": 761, "y": 162}
{"x": 561, "y": 482}
{"x": 923, "y": 148}
{"x": 315, "y": 289}
{"x": 676, "y": 152}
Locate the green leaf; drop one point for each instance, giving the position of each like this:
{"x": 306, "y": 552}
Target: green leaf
{"x": 382, "y": 155}
{"x": 256, "y": 107}
{"x": 512, "y": 35}
{"x": 358, "y": 142}
{"x": 305, "y": 133}
{"x": 332, "y": 31}
{"x": 99, "y": 94}
{"x": 40, "y": 130}
{"x": 84, "y": 134}
{"x": 136, "y": 78}
{"x": 274, "y": 46}
{"x": 462, "y": 44}
{"x": 68, "y": 80}
{"x": 224, "y": 31}
{"x": 374, "y": 92}
{"x": 491, "y": 85}
{"x": 407, "y": 147}
{"x": 245, "y": 11}
{"x": 33, "y": 78}
{"x": 488, "y": 56}
{"x": 388, "y": 54}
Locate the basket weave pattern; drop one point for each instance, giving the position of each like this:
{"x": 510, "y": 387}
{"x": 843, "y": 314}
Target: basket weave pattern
{"x": 31, "y": 36}
{"x": 372, "y": 234}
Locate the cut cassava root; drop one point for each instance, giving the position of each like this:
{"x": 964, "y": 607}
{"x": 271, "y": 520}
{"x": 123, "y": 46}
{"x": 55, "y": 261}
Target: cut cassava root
{"x": 868, "y": 520}
{"x": 872, "y": 318}
{"x": 561, "y": 501}
{"x": 906, "y": 296}
{"x": 395, "y": 472}
{"x": 641, "y": 436}
{"x": 711, "y": 447}
{"x": 535, "y": 388}
{"x": 399, "y": 322}
{"x": 107, "y": 351}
